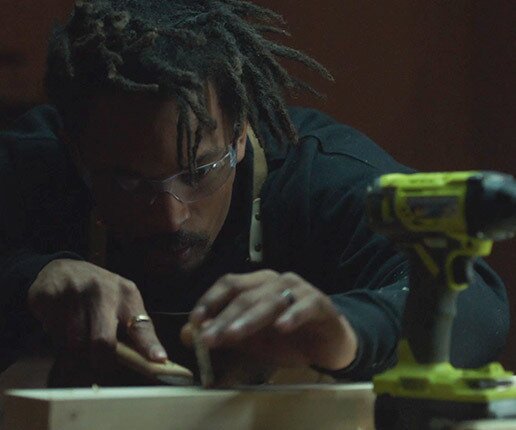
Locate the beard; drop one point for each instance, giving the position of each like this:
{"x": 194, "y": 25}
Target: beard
{"x": 167, "y": 254}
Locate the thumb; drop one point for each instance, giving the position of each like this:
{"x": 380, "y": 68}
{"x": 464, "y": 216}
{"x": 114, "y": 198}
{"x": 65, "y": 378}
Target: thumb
{"x": 186, "y": 335}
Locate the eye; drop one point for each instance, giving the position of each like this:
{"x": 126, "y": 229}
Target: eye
{"x": 193, "y": 179}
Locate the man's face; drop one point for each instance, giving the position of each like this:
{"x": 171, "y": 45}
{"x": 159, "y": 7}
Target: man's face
{"x": 135, "y": 136}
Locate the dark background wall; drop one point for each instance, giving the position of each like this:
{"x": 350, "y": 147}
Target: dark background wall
{"x": 433, "y": 82}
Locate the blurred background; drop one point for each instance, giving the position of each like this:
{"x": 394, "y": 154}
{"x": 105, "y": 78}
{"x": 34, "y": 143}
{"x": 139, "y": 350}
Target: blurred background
{"x": 431, "y": 81}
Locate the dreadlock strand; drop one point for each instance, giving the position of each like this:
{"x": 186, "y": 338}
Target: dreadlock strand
{"x": 293, "y": 54}
{"x": 299, "y": 86}
{"x": 89, "y": 42}
{"x": 281, "y": 112}
{"x": 177, "y": 76}
{"x": 65, "y": 59}
{"x": 131, "y": 87}
{"x": 263, "y": 92}
{"x": 189, "y": 145}
{"x": 259, "y": 52}
{"x": 180, "y": 135}
{"x": 254, "y": 122}
{"x": 197, "y": 142}
{"x": 271, "y": 29}
{"x": 252, "y": 10}
{"x": 241, "y": 103}
{"x": 184, "y": 35}
{"x": 265, "y": 111}
{"x": 141, "y": 44}
{"x": 196, "y": 103}
{"x": 292, "y": 84}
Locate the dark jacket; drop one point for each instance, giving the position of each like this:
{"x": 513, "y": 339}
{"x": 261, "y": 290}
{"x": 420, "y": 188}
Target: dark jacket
{"x": 314, "y": 225}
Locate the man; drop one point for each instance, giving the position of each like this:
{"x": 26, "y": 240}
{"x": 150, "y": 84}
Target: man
{"x": 153, "y": 105}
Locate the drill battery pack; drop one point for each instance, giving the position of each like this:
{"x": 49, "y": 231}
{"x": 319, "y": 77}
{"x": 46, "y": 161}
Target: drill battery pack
{"x": 398, "y": 413}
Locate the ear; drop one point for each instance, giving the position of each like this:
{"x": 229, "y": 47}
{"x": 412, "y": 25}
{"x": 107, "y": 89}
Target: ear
{"x": 241, "y": 143}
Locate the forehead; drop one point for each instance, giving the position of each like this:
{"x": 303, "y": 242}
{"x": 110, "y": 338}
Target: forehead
{"x": 139, "y": 132}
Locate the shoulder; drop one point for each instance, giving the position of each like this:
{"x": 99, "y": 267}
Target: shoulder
{"x": 33, "y": 139}
{"x": 40, "y": 123}
{"x": 313, "y": 198}
{"x": 336, "y": 139}
{"x": 34, "y": 157}
{"x": 328, "y": 156}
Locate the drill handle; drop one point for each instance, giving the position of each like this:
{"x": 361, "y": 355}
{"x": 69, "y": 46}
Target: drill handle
{"x": 430, "y": 308}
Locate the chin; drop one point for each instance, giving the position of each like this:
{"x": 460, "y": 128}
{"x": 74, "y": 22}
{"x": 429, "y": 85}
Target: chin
{"x": 166, "y": 264}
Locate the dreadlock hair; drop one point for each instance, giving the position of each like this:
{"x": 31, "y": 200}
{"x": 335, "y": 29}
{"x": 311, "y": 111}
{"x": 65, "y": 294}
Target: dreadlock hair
{"x": 172, "y": 48}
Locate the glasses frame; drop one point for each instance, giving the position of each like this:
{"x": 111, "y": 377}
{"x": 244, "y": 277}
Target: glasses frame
{"x": 163, "y": 185}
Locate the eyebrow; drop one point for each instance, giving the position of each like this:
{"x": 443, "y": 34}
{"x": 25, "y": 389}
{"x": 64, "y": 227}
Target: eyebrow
{"x": 203, "y": 158}
{"x": 208, "y": 155}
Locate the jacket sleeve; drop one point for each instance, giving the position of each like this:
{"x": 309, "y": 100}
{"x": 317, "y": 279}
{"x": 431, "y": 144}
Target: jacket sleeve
{"x": 20, "y": 264}
{"x": 378, "y": 279}
{"x": 315, "y": 205}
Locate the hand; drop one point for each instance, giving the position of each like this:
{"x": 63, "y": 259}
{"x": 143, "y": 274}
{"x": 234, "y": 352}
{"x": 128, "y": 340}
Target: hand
{"x": 81, "y": 306}
{"x": 252, "y": 312}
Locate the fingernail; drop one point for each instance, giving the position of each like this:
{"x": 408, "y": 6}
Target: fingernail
{"x": 158, "y": 353}
{"x": 236, "y": 326}
{"x": 199, "y": 313}
{"x": 283, "y": 322}
{"x": 209, "y": 335}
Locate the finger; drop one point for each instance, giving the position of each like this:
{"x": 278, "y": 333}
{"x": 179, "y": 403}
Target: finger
{"x": 186, "y": 334}
{"x": 76, "y": 328}
{"x": 225, "y": 290}
{"x": 146, "y": 341}
{"x": 249, "y": 312}
{"x": 103, "y": 330}
{"x": 258, "y": 317}
{"x": 142, "y": 334}
{"x": 213, "y": 335}
{"x": 311, "y": 308}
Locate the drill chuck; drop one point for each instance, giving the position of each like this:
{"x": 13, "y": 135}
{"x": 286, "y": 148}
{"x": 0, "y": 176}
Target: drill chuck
{"x": 491, "y": 206}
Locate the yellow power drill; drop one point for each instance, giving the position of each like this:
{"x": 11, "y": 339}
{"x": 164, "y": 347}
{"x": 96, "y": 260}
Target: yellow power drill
{"x": 443, "y": 222}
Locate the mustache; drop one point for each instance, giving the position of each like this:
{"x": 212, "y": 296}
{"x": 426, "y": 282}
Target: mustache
{"x": 171, "y": 242}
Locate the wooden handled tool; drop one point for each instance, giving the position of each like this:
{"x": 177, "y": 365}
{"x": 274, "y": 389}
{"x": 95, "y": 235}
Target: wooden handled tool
{"x": 166, "y": 373}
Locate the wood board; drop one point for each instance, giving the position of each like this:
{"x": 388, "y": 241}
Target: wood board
{"x": 321, "y": 407}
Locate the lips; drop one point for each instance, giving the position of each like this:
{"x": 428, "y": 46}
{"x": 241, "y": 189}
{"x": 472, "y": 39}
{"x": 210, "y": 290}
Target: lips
{"x": 182, "y": 253}
{"x": 162, "y": 257}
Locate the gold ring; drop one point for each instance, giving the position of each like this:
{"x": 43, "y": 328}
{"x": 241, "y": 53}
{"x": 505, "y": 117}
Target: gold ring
{"x": 288, "y": 296}
{"x": 136, "y": 320}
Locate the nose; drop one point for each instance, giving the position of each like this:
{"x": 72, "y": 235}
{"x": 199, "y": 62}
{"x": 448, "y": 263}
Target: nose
{"x": 170, "y": 212}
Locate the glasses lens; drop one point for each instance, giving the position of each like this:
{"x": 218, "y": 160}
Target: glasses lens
{"x": 186, "y": 187}
{"x": 203, "y": 181}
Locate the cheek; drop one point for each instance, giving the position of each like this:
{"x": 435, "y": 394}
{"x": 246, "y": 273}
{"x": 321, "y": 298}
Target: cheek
{"x": 116, "y": 209}
{"x": 210, "y": 213}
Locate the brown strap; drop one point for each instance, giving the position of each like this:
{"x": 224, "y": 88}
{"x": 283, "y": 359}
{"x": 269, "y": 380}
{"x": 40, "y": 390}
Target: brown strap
{"x": 259, "y": 176}
{"x": 259, "y": 163}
